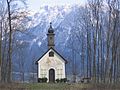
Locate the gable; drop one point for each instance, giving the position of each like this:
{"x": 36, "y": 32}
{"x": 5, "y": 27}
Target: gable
{"x": 51, "y": 53}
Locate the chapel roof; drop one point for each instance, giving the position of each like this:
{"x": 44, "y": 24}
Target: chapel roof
{"x": 55, "y": 52}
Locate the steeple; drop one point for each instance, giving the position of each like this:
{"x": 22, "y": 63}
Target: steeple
{"x": 50, "y": 36}
{"x": 50, "y": 30}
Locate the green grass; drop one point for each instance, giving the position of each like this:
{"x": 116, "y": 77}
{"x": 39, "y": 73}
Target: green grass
{"x": 58, "y": 86}
{"x": 47, "y": 86}
{"x": 61, "y": 86}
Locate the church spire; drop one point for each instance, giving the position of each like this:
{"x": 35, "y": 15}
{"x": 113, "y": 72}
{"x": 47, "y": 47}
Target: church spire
{"x": 50, "y": 36}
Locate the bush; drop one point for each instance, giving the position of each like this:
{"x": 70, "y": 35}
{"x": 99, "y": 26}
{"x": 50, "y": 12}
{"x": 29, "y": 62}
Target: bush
{"x": 57, "y": 80}
{"x": 42, "y": 80}
{"x": 63, "y": 80}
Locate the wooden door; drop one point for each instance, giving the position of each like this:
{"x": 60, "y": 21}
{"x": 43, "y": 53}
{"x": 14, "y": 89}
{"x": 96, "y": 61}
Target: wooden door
{"x": 51, "y": 75}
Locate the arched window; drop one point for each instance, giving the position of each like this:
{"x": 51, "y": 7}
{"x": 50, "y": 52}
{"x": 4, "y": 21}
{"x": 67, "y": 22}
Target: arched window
{"x": 51, "y": 54}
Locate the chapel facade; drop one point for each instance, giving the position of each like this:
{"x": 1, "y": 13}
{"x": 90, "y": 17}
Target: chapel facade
{"x": 51, "y": 64}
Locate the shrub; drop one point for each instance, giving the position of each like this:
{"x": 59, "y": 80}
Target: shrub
{"x": 42, "y": 80}
{"x": 57, "y": 80}
{"x": 63, "y": 80}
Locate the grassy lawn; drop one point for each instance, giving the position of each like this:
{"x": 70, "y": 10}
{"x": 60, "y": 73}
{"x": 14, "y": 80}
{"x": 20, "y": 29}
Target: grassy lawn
{"x": 48, "y": 86}
{"x": 60, "y": 86}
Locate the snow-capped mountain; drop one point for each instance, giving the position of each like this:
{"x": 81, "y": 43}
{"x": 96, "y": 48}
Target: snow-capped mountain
{"x": 32, "y": 43}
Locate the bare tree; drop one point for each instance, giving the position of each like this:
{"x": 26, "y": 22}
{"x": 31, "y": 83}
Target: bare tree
{"x": 8, "y": 18}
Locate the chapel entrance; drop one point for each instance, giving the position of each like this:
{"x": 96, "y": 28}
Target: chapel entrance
{"x": 51, "y": 75}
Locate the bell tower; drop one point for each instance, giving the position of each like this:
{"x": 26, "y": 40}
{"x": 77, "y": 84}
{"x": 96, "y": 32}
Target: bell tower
{"x": 50, "y": 37}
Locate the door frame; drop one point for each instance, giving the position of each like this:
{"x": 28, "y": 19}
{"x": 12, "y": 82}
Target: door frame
{"x": 52, "y": 75}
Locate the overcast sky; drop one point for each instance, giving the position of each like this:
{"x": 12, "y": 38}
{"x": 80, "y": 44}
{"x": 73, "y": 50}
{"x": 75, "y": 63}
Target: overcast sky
{"x": 34, "y": 5}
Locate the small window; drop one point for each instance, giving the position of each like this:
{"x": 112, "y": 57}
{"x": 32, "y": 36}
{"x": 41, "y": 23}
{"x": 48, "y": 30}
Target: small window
{"x": 51, "y": 54}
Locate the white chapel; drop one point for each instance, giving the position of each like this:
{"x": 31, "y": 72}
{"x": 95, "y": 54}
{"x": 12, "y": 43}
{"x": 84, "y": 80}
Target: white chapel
{"x": 51, "y": 64}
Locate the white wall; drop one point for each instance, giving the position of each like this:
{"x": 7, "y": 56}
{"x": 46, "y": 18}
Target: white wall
{"x": 46, "y": 63}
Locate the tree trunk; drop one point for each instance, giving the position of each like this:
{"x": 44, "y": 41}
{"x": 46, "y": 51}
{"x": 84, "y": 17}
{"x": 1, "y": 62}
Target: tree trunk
{"x": 0, "y": 48}
{"x": 10, "y": 45}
